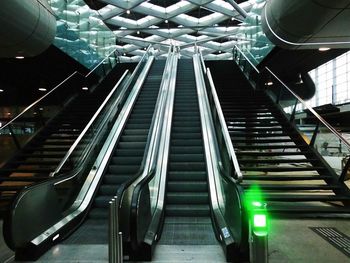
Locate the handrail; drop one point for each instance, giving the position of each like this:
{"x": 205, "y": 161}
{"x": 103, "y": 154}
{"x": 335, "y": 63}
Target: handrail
{"x": 251, "y": 63}
{"x": 158, "y": 165}
{"x": 82, "y": 134}
{"x": 148, "y": 165}
{"x": 74, "y": 145}
{"x": 83, "y": 196}
{"x": 89, "y": 73}
{"x": 224, "y": 128}
{"x": 320, "y": 119}
{"x": 237, "y": 239}
{"x": 55, "y": 88}
{"x": 222, "y": 122}
{"x": 323, "y": 121}
{"x": 38, "y": 100}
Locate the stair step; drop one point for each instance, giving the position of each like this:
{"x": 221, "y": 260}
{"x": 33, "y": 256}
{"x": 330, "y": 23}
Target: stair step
{"x": 304, "y": 197}
{"x": 276, "y": 161}
{"x": 266, "y": 154}
{"x": 187, "y": 166}
{"x": 23, "y": 178}
{"x": 289, "y": 177}
{"x": 281, "y": 169}
{"x": 297, "y": 187}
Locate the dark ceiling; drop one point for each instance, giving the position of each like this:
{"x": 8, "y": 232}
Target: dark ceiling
{"x": 20, "y": 79}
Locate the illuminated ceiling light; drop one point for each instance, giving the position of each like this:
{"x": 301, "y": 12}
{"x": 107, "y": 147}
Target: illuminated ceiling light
{"x": 128, "y": 12}
{"x": 166, "y": 21}
{"x": 1, "y": 90}
{"x": 41, "y": 109}
{"x": 232, "y": 18}
{"x": 138, "y": 32}
{"x": 34, "y": 113}
{"x": 42, "y": 89}
{"x": 124, "y": 54}
{"x": 19, "y": 57}
{"x": 269, "y": 83}
{"x": 219, "y": 51}
{"x": 85, "y": 88}
{"x": 9, "y": 113}
{"x": 324, "y": 49}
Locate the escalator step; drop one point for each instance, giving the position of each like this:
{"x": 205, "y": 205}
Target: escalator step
{"x": 187, "y": 210}
{"x": 115, "y": 179}
{"x": 187, "y": 166}
{"x": 187, "y": 149}
{"x": 135, "y": 131}
{"x": 128, "y": 152}
{"x": 187, "y": 135}
{"x": 188, "y": 176}
{"x": 187, "y": 198}
{"x": 186, "y": 142}
{"x": 123, "y": 169}
{"x": 130, "y": 160}
{"x": 132, "y": 145}
{"x": 185, "y": 157}
{"x": 102, "y": 201}
{"x": 187, "y": 186}
{"x": 98, "y": 213}
{"x": 108, "y": 189}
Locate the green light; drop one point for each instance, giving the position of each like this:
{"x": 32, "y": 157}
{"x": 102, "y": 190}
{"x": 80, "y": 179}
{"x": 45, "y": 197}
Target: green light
{"x": 259, "y": 220}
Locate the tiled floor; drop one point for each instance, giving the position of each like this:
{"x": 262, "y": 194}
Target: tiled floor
{"x": 290, "y": 241}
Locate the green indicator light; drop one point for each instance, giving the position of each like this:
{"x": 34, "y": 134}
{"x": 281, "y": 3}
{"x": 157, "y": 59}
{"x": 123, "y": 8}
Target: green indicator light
{"x": 259, "y": 220}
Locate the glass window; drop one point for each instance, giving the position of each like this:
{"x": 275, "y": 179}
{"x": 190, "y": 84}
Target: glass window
{"x": 332, "y": 82}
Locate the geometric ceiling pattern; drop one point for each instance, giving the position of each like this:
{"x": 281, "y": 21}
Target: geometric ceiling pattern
{"x": 208, "y": 24}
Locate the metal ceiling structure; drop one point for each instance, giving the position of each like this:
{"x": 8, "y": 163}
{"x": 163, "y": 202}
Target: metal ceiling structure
{"x": 209, "y": 24}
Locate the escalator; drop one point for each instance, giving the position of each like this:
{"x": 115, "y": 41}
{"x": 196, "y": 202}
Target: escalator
{"x": 187, "y": 209}
{"x": 42, "y": 154}
{"x": 125, "y": 161}
{"x": 292, "y": 177}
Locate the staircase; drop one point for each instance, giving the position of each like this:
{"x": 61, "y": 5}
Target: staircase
{"x": 41, "y": 155}
{"x": 292, "y": 178}
{"x": 187, "y": 210}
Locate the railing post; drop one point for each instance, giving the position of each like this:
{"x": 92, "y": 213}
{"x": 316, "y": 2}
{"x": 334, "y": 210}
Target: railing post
{"x": 314, "y": 135}
{"x": 345, "y": 170}
{"x": 292, "y": 116}
{"x": 111, "y": 232}
{"x": 279, "y": 95}
{"x": 13, "y": 135}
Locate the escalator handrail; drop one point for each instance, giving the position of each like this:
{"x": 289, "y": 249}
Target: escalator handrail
{"x": 143, "y": 171}
{"x": 90, "y": 123}
{"x": 217, "y": 165}
{"x": 224, "y": 129}
{"x": 151, "y": 174}
{"x": 54, "y": 180}
{"x": 116, "y": 104}
{"x": 63, "y": 177}
{"x": 222, "y": 123}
